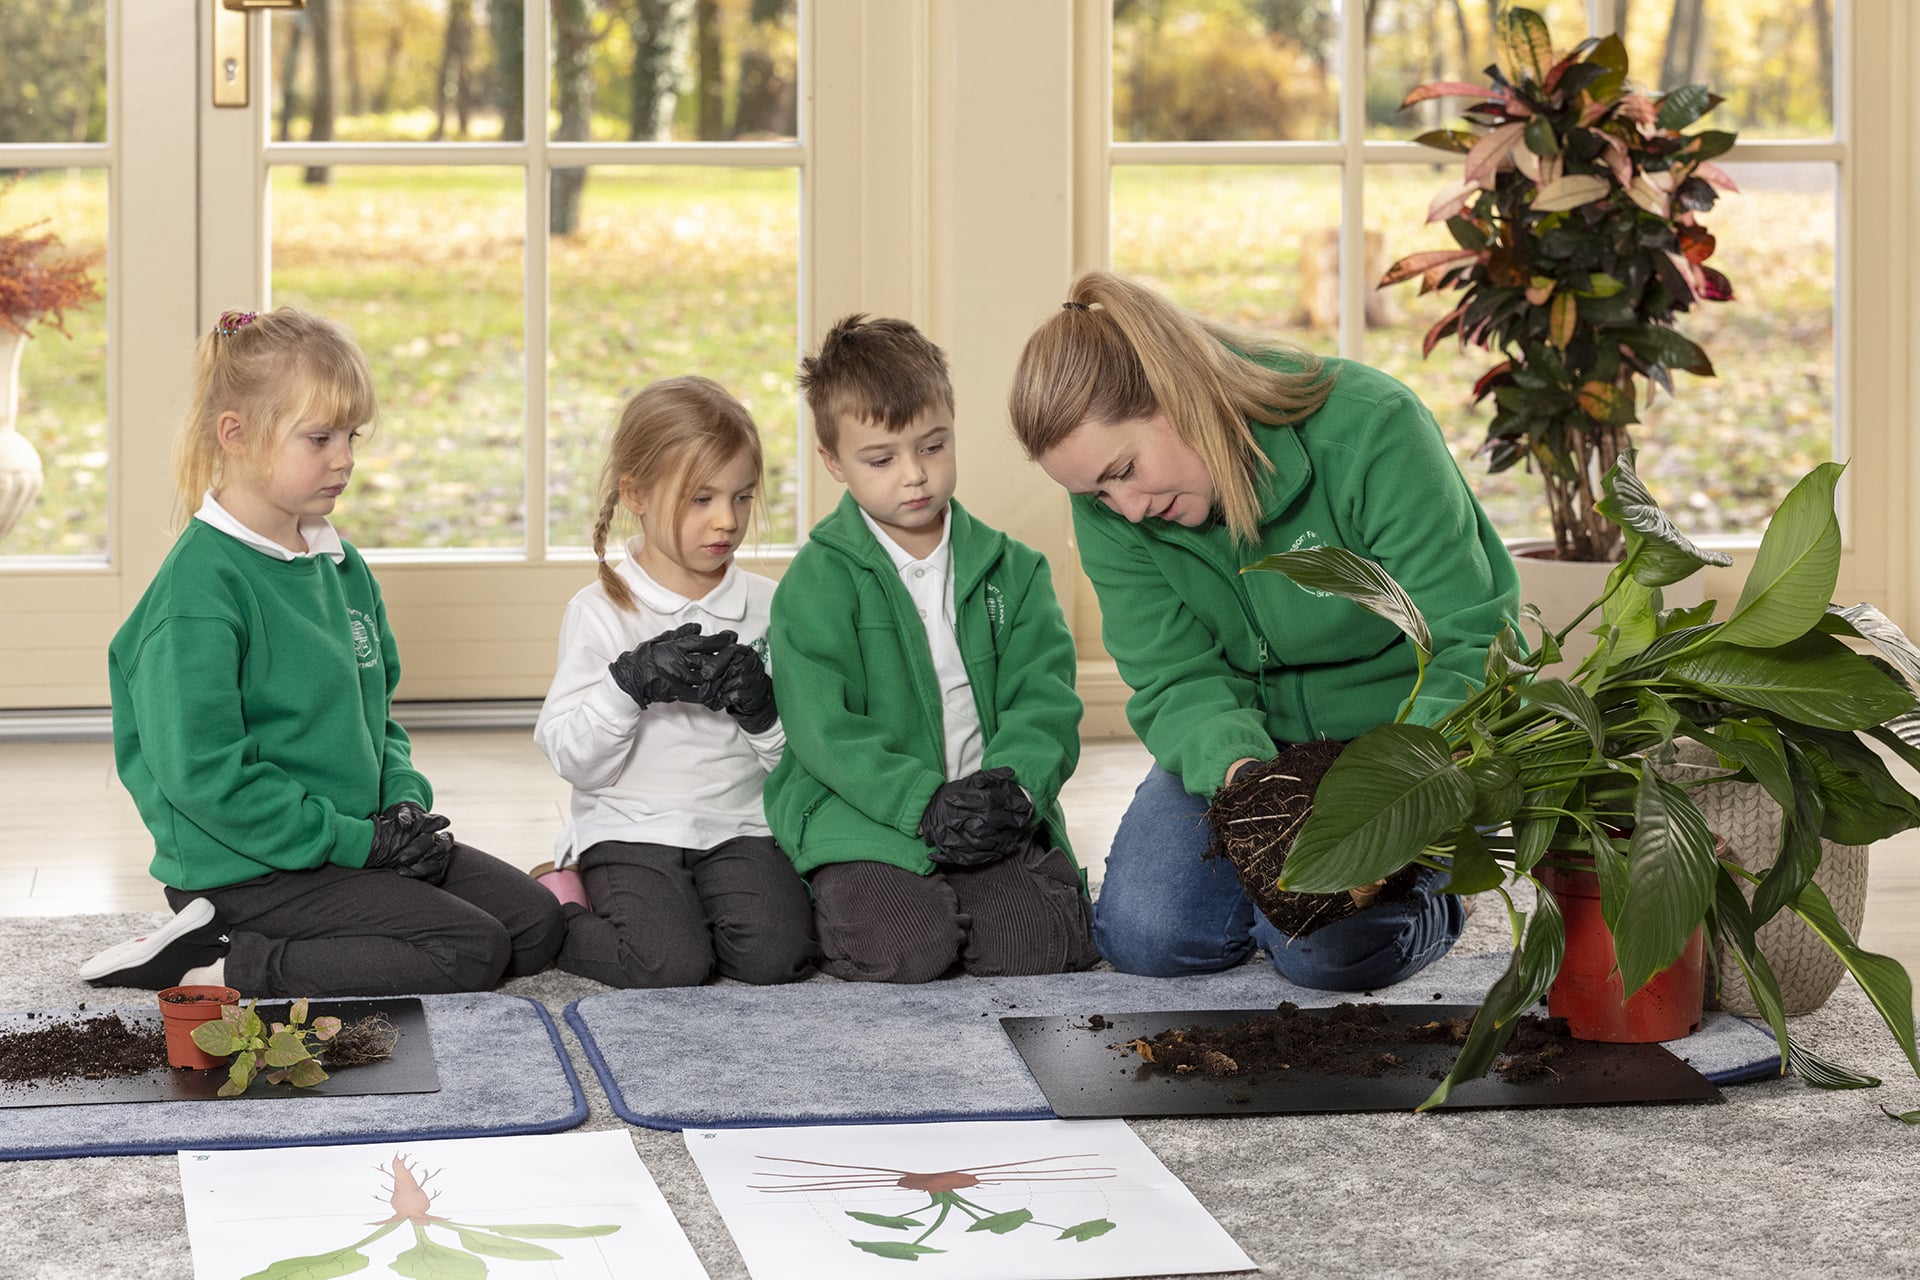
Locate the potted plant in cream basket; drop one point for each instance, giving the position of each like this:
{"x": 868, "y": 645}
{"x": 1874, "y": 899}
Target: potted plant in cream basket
{"x": 38, "y": 285}
{"x": 1786, "y": 691}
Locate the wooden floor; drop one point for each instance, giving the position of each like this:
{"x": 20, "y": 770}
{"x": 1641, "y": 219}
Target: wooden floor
{"x": 71, "y": 841}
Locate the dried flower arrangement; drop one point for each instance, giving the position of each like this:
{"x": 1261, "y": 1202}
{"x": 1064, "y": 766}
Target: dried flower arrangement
{"x": 37, "y": 287}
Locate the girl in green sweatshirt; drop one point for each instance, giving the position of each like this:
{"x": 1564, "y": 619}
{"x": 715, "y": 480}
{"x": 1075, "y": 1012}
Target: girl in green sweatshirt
{"x": 1191, "y": 450}
{"x": 252, "y": 716}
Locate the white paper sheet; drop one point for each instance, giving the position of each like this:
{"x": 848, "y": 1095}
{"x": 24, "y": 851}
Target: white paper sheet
{"x": 1039, "y": 1199}
{"x": 577, "y": 1204}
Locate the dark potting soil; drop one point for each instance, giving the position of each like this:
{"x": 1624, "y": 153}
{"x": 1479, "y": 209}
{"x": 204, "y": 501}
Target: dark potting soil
{"x": 101, "y": 1047}
{"x": 1253, "y": 821}
{"x": 1347, "y": 1040}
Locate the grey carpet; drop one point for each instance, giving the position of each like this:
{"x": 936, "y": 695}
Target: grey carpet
{"x": 1780, "y": 1180}
{"x": 851, "y": 1053}
{"x": 501, "y": 1070}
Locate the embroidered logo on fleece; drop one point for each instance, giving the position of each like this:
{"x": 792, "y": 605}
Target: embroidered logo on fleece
{"x": 996, "y": 608}
{"x": 365, "y": 649}
{"x": 1309, "y": 539}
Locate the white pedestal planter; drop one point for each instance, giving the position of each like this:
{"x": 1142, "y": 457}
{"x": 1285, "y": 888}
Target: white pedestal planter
{"x": 20, "y": 473}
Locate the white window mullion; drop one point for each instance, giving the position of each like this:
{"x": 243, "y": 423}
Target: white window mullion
{"x": 1353, "y": 178}
{"x": 539, "y": 194}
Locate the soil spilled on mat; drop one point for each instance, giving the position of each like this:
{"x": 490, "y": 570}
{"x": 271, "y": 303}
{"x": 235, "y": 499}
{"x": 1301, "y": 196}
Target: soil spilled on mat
{"x": 101, "y": 1047}
{"x": 1346, "y": 1040}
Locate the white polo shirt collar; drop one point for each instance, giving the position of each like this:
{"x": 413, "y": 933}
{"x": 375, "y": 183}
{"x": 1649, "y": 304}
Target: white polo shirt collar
{"x": 321, "y": 537}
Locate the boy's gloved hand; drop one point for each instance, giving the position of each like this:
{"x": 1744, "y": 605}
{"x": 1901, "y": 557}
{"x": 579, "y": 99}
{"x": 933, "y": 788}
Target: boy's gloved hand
{"x": 671, "y": 667}
{"x": 977, "y": 819}
{"x": 741, "y": 687}
{"x": 411, "y": 841}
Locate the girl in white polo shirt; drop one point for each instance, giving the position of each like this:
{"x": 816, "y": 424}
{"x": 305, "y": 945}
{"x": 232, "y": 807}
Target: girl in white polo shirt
{"x": 661, "y": 716}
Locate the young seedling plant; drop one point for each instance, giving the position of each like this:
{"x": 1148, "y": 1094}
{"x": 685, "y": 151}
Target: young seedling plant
{"x": 280, "y": 1052}
{"x": 943, "y": 1191}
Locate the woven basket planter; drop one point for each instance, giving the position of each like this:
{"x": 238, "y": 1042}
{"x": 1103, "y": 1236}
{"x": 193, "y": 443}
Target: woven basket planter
{"x": 1746, "y": 817}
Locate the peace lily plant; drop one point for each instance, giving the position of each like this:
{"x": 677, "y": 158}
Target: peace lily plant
{"x": 1567, "y": 766}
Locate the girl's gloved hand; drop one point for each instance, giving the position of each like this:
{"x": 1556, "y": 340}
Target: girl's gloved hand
{"x": 672, "y": 667}
{"x": 741, "y": 687}
{"x": 411, "y": 841}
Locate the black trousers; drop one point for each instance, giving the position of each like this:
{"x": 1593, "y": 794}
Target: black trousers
{"x": 1024, "y": 914}
{"x": 671, "y": 917}
{"x": 344, "y": 931}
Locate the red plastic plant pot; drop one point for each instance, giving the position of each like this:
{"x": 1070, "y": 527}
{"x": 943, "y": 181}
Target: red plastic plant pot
{"x": 1588, "y": 991}
{"x": 184, "y": 1008}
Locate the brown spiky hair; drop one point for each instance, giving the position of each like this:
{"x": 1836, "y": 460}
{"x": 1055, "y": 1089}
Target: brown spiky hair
{"x": 879, "y": 370}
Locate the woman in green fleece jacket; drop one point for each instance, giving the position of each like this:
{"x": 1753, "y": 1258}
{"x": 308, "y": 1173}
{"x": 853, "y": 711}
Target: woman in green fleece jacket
{"x": 252, "y": 716}
{"x": 1191, "y": 450}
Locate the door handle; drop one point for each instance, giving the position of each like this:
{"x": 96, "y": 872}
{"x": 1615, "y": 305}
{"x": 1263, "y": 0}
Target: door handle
{"x": 231, "y": 74}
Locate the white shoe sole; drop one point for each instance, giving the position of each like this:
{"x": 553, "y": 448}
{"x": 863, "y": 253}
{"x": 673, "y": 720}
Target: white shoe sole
{"x": 139, "y": 951}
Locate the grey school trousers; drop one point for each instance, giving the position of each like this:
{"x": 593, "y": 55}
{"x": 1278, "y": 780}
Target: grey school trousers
{"x": 670, "y": 917}
{"x": 1024, "y": 914}
{"x": 346, "y": 931}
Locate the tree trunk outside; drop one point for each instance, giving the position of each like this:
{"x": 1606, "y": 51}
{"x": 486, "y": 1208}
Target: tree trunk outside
{"x": 710, "y": 89}
{"x": 1823, "y": 34}
{"x": 320, "y": 14}
{"x": 350, "y": 49}
{"x": 573, "y": 92}
{"x": 289, "y": 69}
{"x": 656, "y": 78}
{"x": 450, "y": 87}
{"x": 389, "y": 68}
{"x": 507, "y": 20}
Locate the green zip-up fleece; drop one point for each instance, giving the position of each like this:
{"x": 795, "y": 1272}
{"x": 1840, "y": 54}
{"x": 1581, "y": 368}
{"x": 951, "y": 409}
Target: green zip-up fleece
{"x": 854, "y": 681}
{"x": 1223, "y": 666}
{"x": 251, "y": 723}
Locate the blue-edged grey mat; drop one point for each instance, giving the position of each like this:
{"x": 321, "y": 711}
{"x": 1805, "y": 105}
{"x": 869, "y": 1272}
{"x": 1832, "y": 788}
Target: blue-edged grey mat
{"x": 502, "y": 1070}
{"x": 828, "y": 1052}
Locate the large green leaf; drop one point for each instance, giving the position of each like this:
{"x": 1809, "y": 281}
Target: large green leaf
{"x": 1496, "y": 789}
{"x": 1526, "y": 978}
{"x": 1393, "y": 791}
{"x": 1731, "y": 921}
{"x": 1658, "y": 552}
{"x": 1611, "y": 54}
{"x": 1883, "y": 978}
{"x": 1360, "y": 580}
{"x": 1570, "y": 703}
{"x": 1799, "y": 854}
{"x": 1682, "y": 106}
{"x": 1815, "y": 680}
{"x": 1861, "y": 801}
{"x": 1473, "y": 869}
{"x": 1758, "y": 748}
{"x": 1668, "y": 347}
{"x": 1527, "y": 44}
{"x": 1670, "y": 878}
{"x": 1791, "y": 583}
{"x": 1878, "y": 630}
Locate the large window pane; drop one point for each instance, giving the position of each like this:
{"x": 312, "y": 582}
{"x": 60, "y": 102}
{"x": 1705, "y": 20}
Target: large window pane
{"x": 408, "y": 71}
{"x": 673, "y": 70}
{"x": 673, "y": 271}
{"x": 1772, "y": 60}
{"x": 62, "y": 380}
{"x": 1254, "y": 246}
{"x": 1230, "y": 70}
{"x": 53, "y": 71}
{"x": 1410, "y": 42}
{"x": 426, "y": 267}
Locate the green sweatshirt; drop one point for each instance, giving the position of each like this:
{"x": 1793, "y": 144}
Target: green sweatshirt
{"x": 251, "y": 701}
{"x": 854, "y": 680}
{"x": 1223, "y": 666}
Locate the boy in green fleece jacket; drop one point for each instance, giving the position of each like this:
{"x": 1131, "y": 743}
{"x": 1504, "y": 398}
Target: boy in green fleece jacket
{"x": 924, "y": 675}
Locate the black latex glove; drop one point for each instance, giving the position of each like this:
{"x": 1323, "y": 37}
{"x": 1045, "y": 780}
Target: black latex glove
{"x": 977, "y": 819}
{"x": 672, "y": 667}
{"x": 411, "y": 841}
{"x": 742, "y": 688}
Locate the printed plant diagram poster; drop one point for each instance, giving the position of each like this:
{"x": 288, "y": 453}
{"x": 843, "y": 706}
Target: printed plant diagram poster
{"x": 547, "y": 1206}
{"x": 1040, "y": 1199}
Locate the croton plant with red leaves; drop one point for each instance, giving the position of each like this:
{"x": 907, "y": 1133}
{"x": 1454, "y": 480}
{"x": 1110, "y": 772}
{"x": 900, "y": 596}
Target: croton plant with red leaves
{"x": 1576, "y": 221}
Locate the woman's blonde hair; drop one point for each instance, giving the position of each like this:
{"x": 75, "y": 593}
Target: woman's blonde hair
{"x": 277, "y": 369}
{"x": 1117, "y": 351}
{"x": 673, "y": 436}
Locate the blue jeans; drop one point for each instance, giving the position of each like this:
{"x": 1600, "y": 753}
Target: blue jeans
{"x": 1165, "y": 910}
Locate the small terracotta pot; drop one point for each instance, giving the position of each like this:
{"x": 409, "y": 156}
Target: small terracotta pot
{"x": 184, "y": 1008}
{"x": 1588, "y": 991}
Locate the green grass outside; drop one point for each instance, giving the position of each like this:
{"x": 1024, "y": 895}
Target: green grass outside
{"x": 690, "y": 270}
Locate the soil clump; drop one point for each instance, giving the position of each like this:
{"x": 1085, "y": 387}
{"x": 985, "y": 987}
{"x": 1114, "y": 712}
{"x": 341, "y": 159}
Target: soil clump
{"x": 1253, "y": 821}
{"x": 101, "y": 1047}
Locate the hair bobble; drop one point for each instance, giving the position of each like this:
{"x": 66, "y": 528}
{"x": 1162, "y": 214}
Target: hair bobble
{"x": 1075, "y": 306}
{"x": 231, "y": 322}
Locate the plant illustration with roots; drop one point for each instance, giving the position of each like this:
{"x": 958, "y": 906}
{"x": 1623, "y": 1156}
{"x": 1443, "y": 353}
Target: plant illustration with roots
{"x": 429, "y": 1259}
{"x": 943, "y": 1190}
